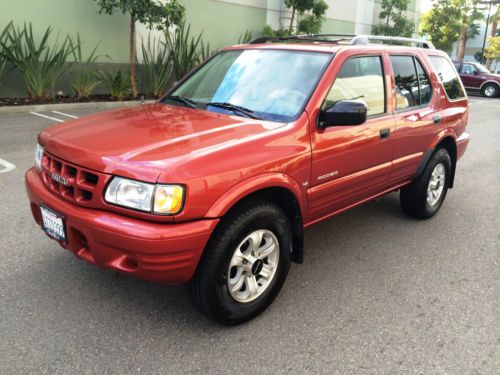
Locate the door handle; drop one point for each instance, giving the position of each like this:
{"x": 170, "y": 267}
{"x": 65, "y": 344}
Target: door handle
{"x": 385, "y": 133}
{"x": 437, "y": 119}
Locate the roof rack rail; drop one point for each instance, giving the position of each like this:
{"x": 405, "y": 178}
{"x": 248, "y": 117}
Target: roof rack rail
{"x": 320, "y": 38}
{"x": 365, "y": 39}
{"x": 336, "y": 38}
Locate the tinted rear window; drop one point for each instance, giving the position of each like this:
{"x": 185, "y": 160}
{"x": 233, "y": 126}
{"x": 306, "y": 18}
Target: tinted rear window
{"x": 448, "y": 76}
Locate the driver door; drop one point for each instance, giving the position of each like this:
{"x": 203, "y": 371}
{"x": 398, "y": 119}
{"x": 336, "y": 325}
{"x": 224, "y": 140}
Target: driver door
{"x": 470, "y": 76}
{"x": 352, "y": 163}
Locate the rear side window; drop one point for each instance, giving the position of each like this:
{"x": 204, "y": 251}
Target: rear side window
{"x": 360, "y": 77}
{"x": 424, "y": 84}
{"x": 448, "y": 76}
{"x": 413, "y": 87}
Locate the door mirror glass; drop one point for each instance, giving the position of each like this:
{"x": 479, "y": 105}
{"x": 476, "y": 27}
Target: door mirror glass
{"x": 344, "y": 113}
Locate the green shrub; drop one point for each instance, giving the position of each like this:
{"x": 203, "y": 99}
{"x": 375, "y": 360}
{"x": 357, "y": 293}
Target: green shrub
{"x": 269, "y": 31}
{"x": 4, "y": 46}
{"x": 83, "y": 77}
{"x": 157, "y": 66}
{"x": 41, "y": 64}
{"x": 185, "y": 50}
{"x": 205, "y": 51}
{"x": 117, "y": 82}
{"x": 245, "y": 38}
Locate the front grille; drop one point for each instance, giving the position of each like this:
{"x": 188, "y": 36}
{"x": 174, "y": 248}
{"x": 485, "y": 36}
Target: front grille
{"x": 73, "y": 183}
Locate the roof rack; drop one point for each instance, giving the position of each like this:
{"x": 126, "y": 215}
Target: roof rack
{"x": 365, "y": 39}
{"x": 318, "y": 38}
{"x": 346, "y": 38}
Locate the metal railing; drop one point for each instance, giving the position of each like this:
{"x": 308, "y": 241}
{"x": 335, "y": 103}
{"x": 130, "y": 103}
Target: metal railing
{"x": 345, "y": 38}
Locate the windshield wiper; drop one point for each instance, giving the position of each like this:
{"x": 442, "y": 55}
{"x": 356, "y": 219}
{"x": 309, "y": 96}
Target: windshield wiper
{"x": 236, "y": 108}
{"x": 182, "y": 99}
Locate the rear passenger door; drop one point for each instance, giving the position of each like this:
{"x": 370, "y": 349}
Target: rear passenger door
{"x": 415, "y": 116}
{"x": 351, "y": 163}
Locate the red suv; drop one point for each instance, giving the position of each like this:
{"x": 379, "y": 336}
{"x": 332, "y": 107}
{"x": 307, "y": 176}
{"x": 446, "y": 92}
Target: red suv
{"x": 213, "y": 185}
{"x": 476, "y": 77}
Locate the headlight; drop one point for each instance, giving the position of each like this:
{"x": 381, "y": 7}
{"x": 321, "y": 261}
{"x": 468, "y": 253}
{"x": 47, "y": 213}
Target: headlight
{"x": 158, "y": 199}
{"x": 38, "y": 156}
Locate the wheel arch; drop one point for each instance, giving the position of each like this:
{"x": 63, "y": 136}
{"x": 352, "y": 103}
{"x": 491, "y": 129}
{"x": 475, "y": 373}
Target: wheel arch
{"x": 497, "y": 84}
{"x": 448, "y": 142}
{"x": 278, "y": 189}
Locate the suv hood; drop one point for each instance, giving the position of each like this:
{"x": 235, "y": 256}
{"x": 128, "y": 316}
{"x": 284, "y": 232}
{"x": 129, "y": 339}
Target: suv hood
{"x": 141, "y": 142}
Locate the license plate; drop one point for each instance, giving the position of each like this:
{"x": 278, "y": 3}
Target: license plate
{"x": 53, "y": 224}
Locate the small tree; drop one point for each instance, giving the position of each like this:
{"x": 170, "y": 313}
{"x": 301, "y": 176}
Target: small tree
{"x": 493, "y": 33}
{"x": 443, "y": 24}
{"x": 312, "y": 22}
{"x": 395, "y": 22}
{"x": 493, "y": 51}
{"x": 148, "y": 12}
{"x": 468, "y": 14}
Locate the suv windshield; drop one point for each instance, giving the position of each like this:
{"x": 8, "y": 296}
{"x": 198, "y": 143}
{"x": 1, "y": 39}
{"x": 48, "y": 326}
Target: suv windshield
{"x": 272, "y": 85}
{"x": 481, "y": 68}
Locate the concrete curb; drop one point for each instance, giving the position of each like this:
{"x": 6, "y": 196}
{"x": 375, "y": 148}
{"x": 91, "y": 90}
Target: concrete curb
{"x": 66, "y": 106}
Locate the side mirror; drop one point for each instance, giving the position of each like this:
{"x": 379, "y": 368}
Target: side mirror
{"x": 344, "y": 113}
{"x": 475, "y": 72}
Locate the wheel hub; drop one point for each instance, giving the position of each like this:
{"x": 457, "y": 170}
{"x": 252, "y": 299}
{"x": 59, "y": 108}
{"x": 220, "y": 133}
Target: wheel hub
{"x": 257, "y": 266}
{"x": 253, "y": 266}
{"x": 436, "y": 184}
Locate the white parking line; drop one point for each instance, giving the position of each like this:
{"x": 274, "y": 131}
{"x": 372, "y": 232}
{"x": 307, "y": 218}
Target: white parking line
{"x": 47, "y": 117}
{"x": 64, "y": 114}
{"x": 8, "y": 166}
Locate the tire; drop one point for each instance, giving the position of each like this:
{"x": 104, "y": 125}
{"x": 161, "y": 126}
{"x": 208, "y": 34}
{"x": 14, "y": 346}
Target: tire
{"x": 490, "y": 90}
{"x": 423, "y": 198}
{"x": 224, "y": 258}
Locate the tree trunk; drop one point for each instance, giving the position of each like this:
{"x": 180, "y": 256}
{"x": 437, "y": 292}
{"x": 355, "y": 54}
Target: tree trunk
{"x": 463, "y": 39}
{"x": 290, "y": 29}
{"x": 133, "y": 87}
{"x": 494, "y": 29}
{"x": 387, "y": 20}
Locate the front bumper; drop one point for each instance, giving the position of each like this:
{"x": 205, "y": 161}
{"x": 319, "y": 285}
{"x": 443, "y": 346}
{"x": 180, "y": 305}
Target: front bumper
{"x": 166, "y": 253}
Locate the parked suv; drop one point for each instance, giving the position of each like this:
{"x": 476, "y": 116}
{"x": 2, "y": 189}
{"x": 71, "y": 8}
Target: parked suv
{"x": 476, "y": 77}
{"x": 213, "y": 185}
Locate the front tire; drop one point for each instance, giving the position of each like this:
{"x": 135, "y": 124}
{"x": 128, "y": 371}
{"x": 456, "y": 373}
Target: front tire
{"x": 423, "y": 198}
{"x": 244, "y": 265}
{"x": 490, "y": 90}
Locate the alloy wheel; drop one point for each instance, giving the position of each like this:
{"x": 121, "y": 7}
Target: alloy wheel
{"x": 253, "y": 266}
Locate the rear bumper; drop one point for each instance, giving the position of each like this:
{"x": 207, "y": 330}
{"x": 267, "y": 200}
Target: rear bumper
{"x": 166, "y": 253}
{"x": 462, "y": 143}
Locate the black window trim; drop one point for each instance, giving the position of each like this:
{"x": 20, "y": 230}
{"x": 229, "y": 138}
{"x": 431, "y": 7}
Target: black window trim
{"x": 422, "y": 106}
{"x": 370, "y": 117}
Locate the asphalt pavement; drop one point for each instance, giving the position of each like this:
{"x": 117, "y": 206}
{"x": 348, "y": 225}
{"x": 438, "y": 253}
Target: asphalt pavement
{"x": 378, "y": 293}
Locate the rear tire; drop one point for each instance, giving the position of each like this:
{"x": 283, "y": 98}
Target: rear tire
{"x": 490, "y": 90}
{"x": 423, "y": 198}
{"x": 229, "y": 286}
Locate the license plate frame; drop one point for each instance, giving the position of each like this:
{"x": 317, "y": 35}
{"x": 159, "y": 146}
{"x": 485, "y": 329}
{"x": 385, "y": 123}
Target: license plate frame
{"x": 53, "y": 223}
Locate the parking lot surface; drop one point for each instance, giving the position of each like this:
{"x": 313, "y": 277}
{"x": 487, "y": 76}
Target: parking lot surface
{"x": 378, "y": 292}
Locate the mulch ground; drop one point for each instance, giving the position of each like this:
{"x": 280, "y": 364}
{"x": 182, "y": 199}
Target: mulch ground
{"x": 66, "y": 99}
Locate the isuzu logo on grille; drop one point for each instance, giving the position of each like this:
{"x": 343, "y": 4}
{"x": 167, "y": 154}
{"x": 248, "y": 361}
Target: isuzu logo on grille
{"x": 59, "y": 178}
